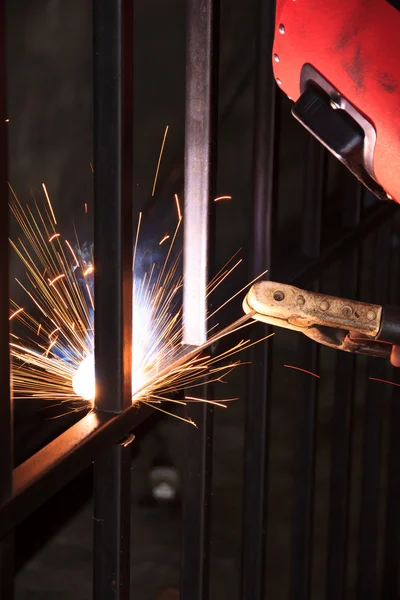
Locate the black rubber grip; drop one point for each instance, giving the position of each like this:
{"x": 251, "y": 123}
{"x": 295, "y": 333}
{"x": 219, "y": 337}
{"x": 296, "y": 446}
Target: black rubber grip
{"x": 390, "y": 325}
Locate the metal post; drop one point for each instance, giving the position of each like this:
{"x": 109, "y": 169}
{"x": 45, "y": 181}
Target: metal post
{"x": 256, "y": 448}
{"x": 390, "y": 579}
{"x": 307, "y": 391}
{"x": 391, "y": 560}
{"x": 112, "y": 479}
{"x": 372, "y": 452}
{"x": 113, "y": 182}
{"x": 200, "y": 171}
{"x": 342, "y": 424}
{"x": 6, "y": 433}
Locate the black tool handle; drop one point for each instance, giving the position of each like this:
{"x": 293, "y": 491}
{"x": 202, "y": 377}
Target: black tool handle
{"x": 390, "y": 325}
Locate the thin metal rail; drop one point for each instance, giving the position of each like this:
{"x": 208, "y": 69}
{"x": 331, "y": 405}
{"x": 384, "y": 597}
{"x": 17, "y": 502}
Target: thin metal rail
{"x": 257, "y": 434}
{"x": 342, "y": 424}
{"x": 6, "y": 431}
{"x": 201, "y": 120}
{"x": 307, "y": 390}
{"x": 368, "y": 575}
{"x": 113, "y": 250}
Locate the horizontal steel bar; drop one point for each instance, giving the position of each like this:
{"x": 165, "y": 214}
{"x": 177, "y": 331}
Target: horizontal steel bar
{"x": 42, "y": 475}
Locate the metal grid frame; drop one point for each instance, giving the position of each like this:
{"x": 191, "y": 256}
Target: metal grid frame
{"x": 104, "y": 435}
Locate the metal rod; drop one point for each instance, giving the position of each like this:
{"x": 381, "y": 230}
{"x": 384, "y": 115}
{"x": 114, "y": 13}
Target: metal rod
{"x": 304, "y": 471}
{"x": 367, "y": 584}
{"x": 265, "y": 178}
{"x": 390, "y": 579}
{"x": 113, "y": 253}
{"x": 6, "y": 461}
{"x": 41, "y": 476}
{"x": 391, "y": 552}
{"x": 112, "y": 480}
{"x": 307, "y": 392}
{"x": 7, "y": 567}
{"x": 6, "y": 430}
{"x": 200, "y": 165}
{"x": 315, "y": 177}
{"x": 196, "y": 505}
{"x": 199, "y": 233}
{"x": 342, "y": 426}
{"x": 113, "y": 188}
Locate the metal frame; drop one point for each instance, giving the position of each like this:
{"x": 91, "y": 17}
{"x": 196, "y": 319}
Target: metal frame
{"x": 104, "y": 435}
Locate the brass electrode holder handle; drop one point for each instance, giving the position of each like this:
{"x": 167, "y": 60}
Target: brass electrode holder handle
{"x": 339, "y": 323}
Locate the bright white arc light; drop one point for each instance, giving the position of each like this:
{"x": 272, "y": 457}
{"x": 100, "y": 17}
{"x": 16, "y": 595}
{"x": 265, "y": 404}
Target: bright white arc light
{"x": 83, "y": 382}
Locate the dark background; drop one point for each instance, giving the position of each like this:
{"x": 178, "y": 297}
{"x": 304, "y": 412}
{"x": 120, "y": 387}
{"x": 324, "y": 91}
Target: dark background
{"x": 50, "y": 107}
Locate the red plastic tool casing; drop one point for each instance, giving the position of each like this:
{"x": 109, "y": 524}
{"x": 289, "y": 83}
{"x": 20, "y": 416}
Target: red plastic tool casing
{"x": 355, "y": 46}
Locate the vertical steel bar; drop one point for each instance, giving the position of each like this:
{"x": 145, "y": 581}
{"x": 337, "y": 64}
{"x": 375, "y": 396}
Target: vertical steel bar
{"x": 315, "y": 179}
{"x": 200, "y": 172}
{"x": 391, "y": 563}
{"x": 6, "y": 433}
{"x": 265, "y": 181}
{"x": 7, "y": 568}
{"x": 342, "y": 426}
{"x": 113, "y": 187}
{"x": 390, "y": 582}
{"x": 371, "y": 476}
{"x": 112, "y": 479}
{"x": 306, "y": 424}
{"x": 200, "y": 162}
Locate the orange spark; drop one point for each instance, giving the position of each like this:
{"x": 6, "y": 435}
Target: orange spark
{"x": 159, "y": 160}
{"x": 91, "y": 166}
{"x": 303, "y": 370}
{"x": 87, "y": 271}
{"x": 15, "y": 313}
{"x": 7, "y": 120}
{"x": 72, "y": 252}
{"x": 90, "y": 296}
{"x": 222, "y": 198}
{"x": 53, "y": 281}
{"x": 39, "y": 328}
{"x": 55, "y": 235}
{"x": 49, "y": 202}
{"x": 50, "y": 347}
{"x": 384, "y": 381}
{"x": 86, "y": 209}
{"x": 178, "y": 208}
{"x": 53, "y": 332}
{"x": 165, "y": 238}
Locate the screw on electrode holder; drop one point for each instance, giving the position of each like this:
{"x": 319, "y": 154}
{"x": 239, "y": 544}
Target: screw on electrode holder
{"x": 279, "y": 296}
{"x": 281, "y": 28}
{"x": 347, "y": 311}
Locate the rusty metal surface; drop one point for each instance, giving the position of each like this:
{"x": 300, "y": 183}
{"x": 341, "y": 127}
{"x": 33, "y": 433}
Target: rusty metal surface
{"x": 339, "y": 323}
{"x": 293, "y": 308}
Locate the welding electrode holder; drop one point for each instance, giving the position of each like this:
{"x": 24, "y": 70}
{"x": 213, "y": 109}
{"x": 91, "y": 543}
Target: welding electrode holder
{"x": 339, "y": 323}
